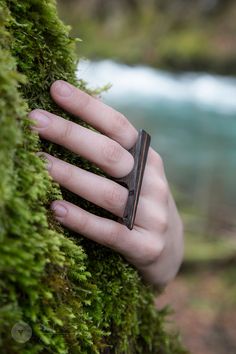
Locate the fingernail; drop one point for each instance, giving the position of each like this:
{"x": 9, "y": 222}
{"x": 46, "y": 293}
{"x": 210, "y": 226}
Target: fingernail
{"x": 62, "y": 88}
{"x": 41, "y": 119}
{"x": 59, "y": 210}
{"x": 48, "y": 162}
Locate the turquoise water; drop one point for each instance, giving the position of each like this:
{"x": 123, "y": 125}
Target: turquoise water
{"x": 192, "y": 121}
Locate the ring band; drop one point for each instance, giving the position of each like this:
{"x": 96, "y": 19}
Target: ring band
{"x": 133, "y": 181}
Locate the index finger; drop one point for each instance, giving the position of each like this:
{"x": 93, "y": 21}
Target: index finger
{"x": 94, "y": 112}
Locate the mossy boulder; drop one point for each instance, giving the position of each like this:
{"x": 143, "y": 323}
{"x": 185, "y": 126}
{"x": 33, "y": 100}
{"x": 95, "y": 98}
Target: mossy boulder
{"x": 76, "y": 296}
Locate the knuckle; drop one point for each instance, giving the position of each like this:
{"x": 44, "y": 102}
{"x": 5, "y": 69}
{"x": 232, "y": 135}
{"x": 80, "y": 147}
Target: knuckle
{"x": 112, "y": 237}
{"x": 152, "y": 252}
{"x": 162, "y": 223}
{"x": 163, "y": 190}
{"x": 119, "y": 122}
{"x": 159, "y": 187}
{"x": 66, "y": 175}
{"x": 83, "y": 100}
{"x": 112, "y": 152}
{"x": 83, "y": 223}
{"x": 156, "y": 160}
{"x": 66, "y": 132}
{"x": 113, "y": 197}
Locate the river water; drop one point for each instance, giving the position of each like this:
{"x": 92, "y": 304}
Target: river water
{"x": 192, "y": 120}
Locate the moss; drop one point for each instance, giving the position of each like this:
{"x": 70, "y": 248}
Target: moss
{"x": 77, "y": 296}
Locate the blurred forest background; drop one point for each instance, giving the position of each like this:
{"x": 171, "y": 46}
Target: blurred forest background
{"x": 172, "y": 66}
{"x": 176, "y": 34}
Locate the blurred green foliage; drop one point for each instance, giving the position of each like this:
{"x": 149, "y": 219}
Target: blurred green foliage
{"x": 178, "y": 35}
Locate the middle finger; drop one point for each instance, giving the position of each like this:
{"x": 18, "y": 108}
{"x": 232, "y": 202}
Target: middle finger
{"x": 106, "y": 153}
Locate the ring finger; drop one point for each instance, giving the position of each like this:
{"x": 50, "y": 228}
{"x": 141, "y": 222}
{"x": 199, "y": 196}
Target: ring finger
{"x": 97, "y": 189}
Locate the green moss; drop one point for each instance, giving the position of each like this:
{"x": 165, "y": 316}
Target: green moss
{"x": 77, "y": 296}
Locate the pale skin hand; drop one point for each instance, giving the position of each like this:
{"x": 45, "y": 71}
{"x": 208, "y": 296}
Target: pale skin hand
{"x": 155, "y": 245}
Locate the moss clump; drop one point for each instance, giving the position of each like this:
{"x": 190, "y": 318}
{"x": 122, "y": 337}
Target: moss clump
{"x": 77, "y": 296}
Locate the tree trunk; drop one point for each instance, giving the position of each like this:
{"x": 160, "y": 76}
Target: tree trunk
{"x": 60, "y": 293}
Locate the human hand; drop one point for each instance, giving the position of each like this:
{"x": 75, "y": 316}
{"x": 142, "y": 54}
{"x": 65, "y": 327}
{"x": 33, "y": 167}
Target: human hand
{"x": 155, "y": 245}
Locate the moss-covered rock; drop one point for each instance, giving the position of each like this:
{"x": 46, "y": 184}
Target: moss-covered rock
{"x": 75, "y": 295}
